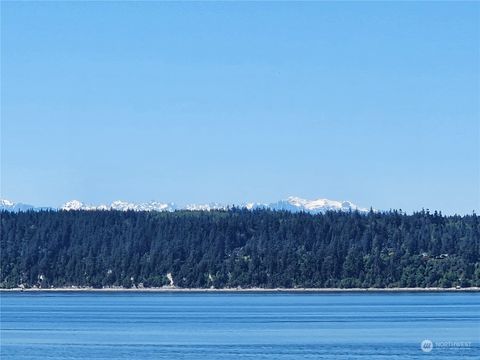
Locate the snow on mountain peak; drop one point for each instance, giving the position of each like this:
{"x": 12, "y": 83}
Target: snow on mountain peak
{"x": 73, "y": 205}
{"x": 292, "y": 203}
{"x": 119, "y": 205}
{"x": 6, "y": 203}
{"x": 206, "y": 207}
{"x": 12, "y": 206}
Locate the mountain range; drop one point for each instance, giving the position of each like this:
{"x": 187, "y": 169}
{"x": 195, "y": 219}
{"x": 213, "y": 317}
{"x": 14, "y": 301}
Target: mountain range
{"x": 292, "y": 203}
{"x": 8, "y": 205}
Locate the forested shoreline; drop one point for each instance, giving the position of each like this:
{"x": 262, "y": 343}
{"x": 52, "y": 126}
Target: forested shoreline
{"x": 238, "y": 248}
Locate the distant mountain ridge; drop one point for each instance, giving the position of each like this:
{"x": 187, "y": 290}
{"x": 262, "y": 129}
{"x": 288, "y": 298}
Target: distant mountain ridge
{"x": 8, "y": 205}
{"x": 292, "y": 204}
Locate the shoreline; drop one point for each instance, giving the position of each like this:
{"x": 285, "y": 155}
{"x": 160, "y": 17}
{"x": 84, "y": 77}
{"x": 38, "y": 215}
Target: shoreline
{"x": 242, "y": 290}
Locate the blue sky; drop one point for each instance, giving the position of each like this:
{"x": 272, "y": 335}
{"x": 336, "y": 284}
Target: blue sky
{"x": 377, "y": 103}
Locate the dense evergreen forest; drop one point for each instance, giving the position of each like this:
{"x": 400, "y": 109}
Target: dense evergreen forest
{"x": 238, "y": 248}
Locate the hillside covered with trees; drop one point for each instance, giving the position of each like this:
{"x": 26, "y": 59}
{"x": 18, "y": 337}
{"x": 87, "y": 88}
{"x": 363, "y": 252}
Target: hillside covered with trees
{"x": 238, "y": 248}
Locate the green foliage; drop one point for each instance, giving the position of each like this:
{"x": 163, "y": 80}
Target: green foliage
{"x": 234, "y": 248}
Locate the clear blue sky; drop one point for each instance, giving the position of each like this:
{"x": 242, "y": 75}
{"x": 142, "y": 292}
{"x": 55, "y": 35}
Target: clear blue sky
{"x": 377, "y": 103}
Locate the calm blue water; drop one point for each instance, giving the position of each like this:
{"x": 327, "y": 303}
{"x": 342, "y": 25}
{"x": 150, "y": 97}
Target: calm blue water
{"x": 231, "y": 326}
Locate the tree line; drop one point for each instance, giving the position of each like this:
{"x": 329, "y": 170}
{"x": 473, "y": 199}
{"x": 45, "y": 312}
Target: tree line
{"x": 238, "y": 248}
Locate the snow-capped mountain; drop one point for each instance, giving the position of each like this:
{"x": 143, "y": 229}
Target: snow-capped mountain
{"x": 120, "y": 205}
{"x": 76, "y": 205}
{"x": 206, "y": 207}
{"x": 8, "y": 205}
{"x": 293, "y": 204}
{"x": 314, "y": 206}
